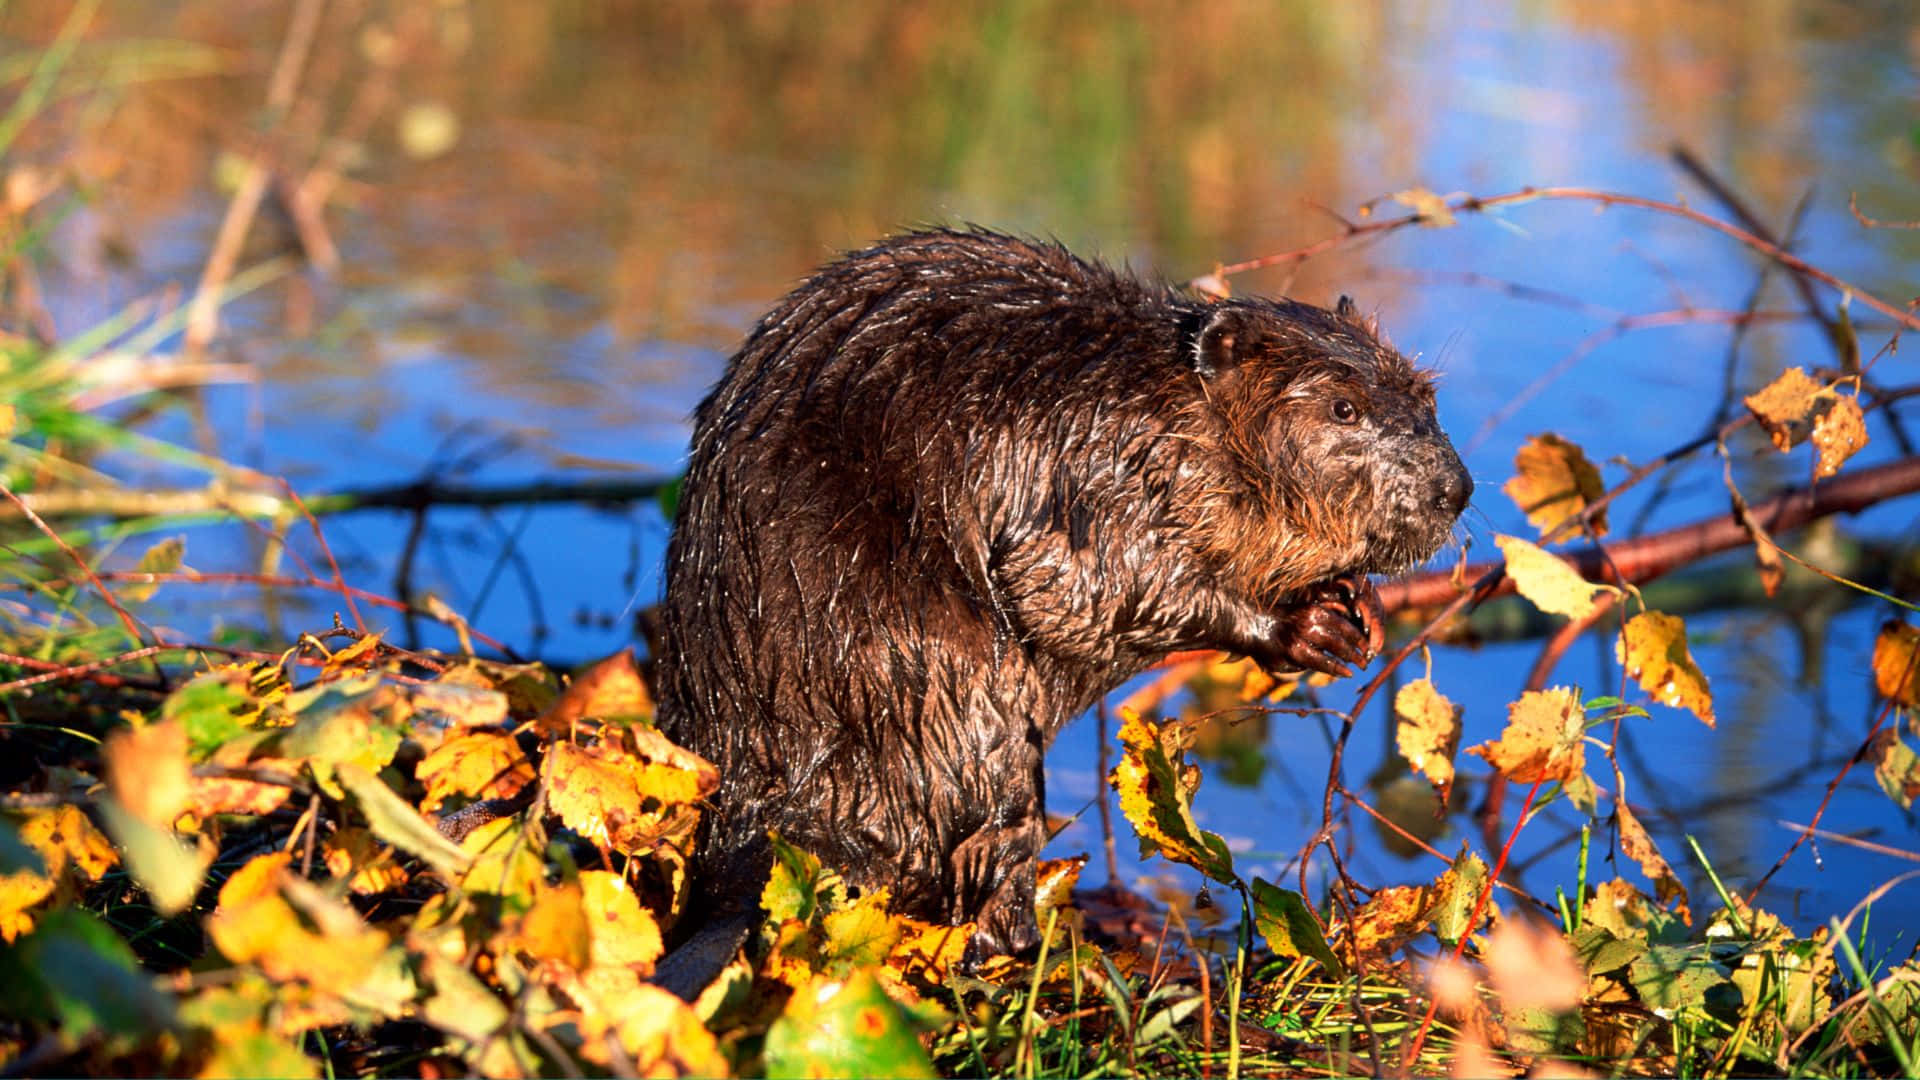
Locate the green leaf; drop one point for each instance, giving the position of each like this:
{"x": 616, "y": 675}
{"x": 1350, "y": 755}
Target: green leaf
{"x": 164, "y": 865}
{"x": 394, "y": 820}
{"x": 793, "y": 888}
{"x": 845, "y": 1028}
{"x": 73, "y": 969}
{"x": 214, "y": 707}
{"x": 1673, "y": 977}
{"x": 1287, "y": 924}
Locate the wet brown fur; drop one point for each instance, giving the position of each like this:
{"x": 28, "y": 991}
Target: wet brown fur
{"x": 955, "y": 488}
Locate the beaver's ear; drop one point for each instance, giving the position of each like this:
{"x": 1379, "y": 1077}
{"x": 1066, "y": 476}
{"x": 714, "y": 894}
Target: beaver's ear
{"x": 1214, "y": 338}
{"x": 1347, "y": 309}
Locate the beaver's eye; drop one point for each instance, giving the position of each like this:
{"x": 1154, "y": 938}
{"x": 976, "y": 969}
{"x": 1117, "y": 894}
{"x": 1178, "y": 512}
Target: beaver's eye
{"x": 1344, "y": 411}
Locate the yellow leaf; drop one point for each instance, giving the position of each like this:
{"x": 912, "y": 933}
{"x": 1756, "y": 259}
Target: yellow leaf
{"x": 1638, "y": 846}
{"x": 1838, "y": 434}
{"x": 1053, "y": 886}
{"x": 1896, "y": 767}
{"x": 147, "y": 771}
{"x": 926, "y": 952}
{"x": 1547, "y": 580}
{"x": 1433, "y": 210}
{"x": 624, "y": 933}
{"x": 862, "y": 935}
{"x": 356, "y": 657}
{"x": 555, "y": 928}
{"x": 210, "y": 795}
{"x": 1389, "y": 919}
{"x": 629, "y": 801}
{"x": 609, "y": 687}
{"x": 1543, "y": 739}
{"x": 1896, "y": 663}
{"x": 162, "y": 558}
{"x": 1429, "y": 730}
{"x": 480, "y": 764}
{"x": 275, "y": 919}
{"x": 1653, "y": 647}
{"x": 1554, "y": 481}
{"x": 663, "y": 1036}
{"x": 1786, "y": 408}
{"x": 1156, "y": 785}
{"x": 68, "y": 842}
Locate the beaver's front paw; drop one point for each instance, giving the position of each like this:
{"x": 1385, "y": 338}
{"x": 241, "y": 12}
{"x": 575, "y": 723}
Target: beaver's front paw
{"x": 1333, "y": 624}
{"x": 1001, "y": 932}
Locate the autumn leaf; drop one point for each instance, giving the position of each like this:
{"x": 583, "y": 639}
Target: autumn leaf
{"x": 624, "y": 933}
{"x": 1456, "y": 894}
{"x": 71, "y": 852}
{"x": 1547, "y": 580}
{"x": 1638, "y": 845}
{"x": 1896, "y": 663}
{"x": 927, "y": 951}
{"x": 605, "y": 688}
{"x": 627, "y": 799}
{"x": 1895, "y": 766}
{"x": 1786, "y": 408}
{"x": 555, "y": 928}
{"x": 1838, "y": 434}
{"x": 1428, "y": 731}
{"x": 1553, "y": 481}
{"x": 273, "y": 918}
{"x": 862, "y": 935}
{"x": 1653, "y": 648}
{"x": 478, "y": 764}
{"x": 1390, "y": 918}
{"x": 1543, "y": 740}
{"x": 1156, "y": 786}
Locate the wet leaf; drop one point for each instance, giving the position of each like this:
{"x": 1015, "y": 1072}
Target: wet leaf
{"x": 606, "y": 688}
{"x": 162, "y": 558}
{"x": 1428, "y": 732}
{"x": 394, "y": 820}
{"x": 147, "y": 770}
{"x": 1289, "y": 927}
{"x": 70, "y": 851}
{"x": 1896, "y": 767}
{"x": 1156, "y": 786}
{"x": 480, "y": 765}
{"x": 1639, "y": 846}
{"x": 1653, "y": 648}
{"x": 1838, "y": 434}
{"x": 1896, "y": 663}
{"x": 1433, "y": 209}
{"x": 1554, "y": 481}
{"x": 1546, "y": 579}
{"x": 1543, "y": 740}
{"x": 845, "y": 1027}
{"x": 1786, "y": 408}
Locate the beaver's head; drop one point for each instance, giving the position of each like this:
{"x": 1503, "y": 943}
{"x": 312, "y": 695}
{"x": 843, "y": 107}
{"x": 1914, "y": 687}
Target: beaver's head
{"x": 1324, "y": 456}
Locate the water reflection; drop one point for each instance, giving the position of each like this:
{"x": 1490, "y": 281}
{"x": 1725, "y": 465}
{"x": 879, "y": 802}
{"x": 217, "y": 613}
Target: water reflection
{"x": 632, "y": 182}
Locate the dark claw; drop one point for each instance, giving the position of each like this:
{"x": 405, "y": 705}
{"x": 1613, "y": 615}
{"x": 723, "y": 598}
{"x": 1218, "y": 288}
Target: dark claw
{"x": 1334, "y": 627}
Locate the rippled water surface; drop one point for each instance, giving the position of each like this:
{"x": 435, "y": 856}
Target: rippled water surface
{"x": 539, "y": 283}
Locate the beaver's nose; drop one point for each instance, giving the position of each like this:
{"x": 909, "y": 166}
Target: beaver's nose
{"x": 1454, "y": 491}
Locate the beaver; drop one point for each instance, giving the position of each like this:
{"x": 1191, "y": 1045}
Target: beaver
{"x": 960, "y": 485}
